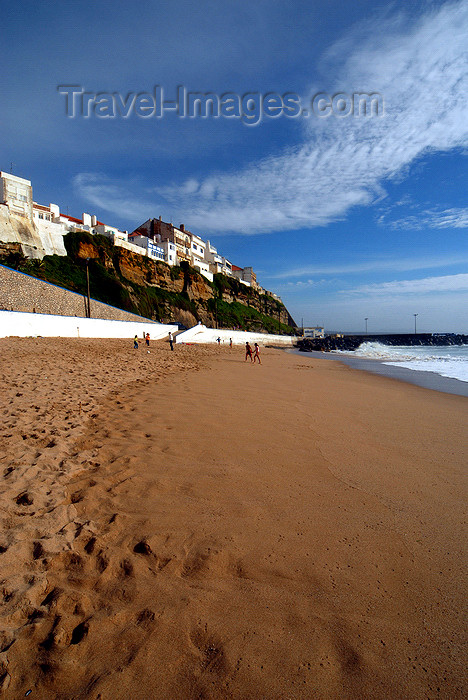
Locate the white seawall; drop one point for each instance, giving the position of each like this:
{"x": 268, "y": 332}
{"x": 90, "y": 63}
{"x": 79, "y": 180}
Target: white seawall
{"x": 202, "y": 334}
{"x": 23, "y": 325}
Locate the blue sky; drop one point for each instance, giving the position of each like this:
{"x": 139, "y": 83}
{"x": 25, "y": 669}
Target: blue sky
{"x": 343, "y": 217}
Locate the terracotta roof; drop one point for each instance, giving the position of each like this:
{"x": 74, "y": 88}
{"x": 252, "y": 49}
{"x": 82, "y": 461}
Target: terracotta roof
{"x": 237, "y": 269}
{"x": 80, "y": 221}
{"x": 72, "y": 218}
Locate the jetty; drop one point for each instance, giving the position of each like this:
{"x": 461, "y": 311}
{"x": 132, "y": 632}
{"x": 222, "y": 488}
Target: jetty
{"x": 352, "y": 342}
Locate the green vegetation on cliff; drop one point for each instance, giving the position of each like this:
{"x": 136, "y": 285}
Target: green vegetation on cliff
{"x": 152, "y": 289}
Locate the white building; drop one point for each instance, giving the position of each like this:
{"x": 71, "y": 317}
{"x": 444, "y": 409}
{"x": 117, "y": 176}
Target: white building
{"x": 217, "y": 263}
{"x": 108, "y": 231}
{"x": 246, "y": 274}
{"x": 237, "y": 272}
{"x": 51, "y": 228}
{"x": 198, "y": 255}
{"x": 170, "y": 252}
{"x": 314, "y": 332}
{"x": 153, "y": 250}
{"x": 16, "y": 194}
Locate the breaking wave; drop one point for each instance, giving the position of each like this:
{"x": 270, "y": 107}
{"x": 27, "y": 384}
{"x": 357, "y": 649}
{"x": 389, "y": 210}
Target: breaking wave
{"x": 447, "y": 361}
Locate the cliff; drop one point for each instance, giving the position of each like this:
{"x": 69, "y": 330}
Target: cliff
{"x": 153, "y": 289}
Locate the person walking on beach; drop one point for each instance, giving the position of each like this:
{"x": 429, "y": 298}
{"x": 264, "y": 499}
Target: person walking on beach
{"x": 171, "y": 341}
{"x": 147, "y": 338}
{"x": 230, "y": 342}
{"x": 135, "y": 343}
{"x": 248, "y": 352}
{"x": 218, "y": 340}
{"x": 256, "y": 355}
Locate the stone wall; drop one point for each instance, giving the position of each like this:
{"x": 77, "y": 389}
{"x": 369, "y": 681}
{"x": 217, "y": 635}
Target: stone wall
{"x": 20, "y": 292}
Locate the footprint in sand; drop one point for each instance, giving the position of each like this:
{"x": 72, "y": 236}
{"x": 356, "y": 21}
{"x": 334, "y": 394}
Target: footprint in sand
{"x": 80, "y": 632}
{"x": 24, "y": 499}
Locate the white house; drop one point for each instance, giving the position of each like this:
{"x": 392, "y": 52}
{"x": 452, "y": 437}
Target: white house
{"x": 198, "y": 255}
{"x": 217, "y": 263}
{"x": 170, "y": 252}
{"x": 153, "y": 250}
{"x": 51, "y": 228}
{"x": 16, "y": 193}
{"x": 109, "y": 231}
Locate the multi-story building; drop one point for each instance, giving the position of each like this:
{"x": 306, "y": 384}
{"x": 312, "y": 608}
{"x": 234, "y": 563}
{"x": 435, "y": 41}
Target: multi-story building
{"x": 246, "y": 274}
{"x": 109, "y": 231}
{"x": 218, "y": 263}
{"x": 16, "y": 194}
{"x": 153, "y": 250}
{"x": 178, "y": 244}
{"x": 53, "y": 215}
{"x": 212, "y": 256}
{"x": 237, "y": 272}
{"x": 161, "y": 232}
{"x": 170, "y": 252}
{"x": 198, "y": 254}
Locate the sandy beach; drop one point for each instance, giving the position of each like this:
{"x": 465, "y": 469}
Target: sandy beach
{"x": 190, "y": 526}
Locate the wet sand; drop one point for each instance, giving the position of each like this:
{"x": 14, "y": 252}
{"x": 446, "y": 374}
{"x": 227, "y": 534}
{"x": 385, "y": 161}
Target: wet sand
{"x": 428, "y": 380}
{"x": 201, "y": 527}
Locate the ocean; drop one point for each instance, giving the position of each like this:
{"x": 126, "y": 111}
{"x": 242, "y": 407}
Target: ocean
{"x": 447, "y": 361}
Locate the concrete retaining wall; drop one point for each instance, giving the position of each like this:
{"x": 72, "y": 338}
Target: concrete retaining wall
{"x": 16, "y": 323}
{"x": 202, "y": 334}
{"x": 21, "y": 292}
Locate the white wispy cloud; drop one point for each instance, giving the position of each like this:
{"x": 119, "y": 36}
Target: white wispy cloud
{"x": 427, "y": 285}
{"x": 455, "y": 217}
{"x": 376, "y": 265}
{"x": 110, "y": 195}
{"x": 419, "y": 68}
{"x": 307, "y": 283}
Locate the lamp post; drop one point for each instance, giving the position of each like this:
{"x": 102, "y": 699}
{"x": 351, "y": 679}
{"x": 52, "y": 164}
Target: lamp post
{"x": 415, "y": 323}
{"x": 87, "y": 285}
{"x": 366, "y": 319}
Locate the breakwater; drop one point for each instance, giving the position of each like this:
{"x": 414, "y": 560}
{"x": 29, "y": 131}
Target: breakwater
{"x": 352, "y": 342}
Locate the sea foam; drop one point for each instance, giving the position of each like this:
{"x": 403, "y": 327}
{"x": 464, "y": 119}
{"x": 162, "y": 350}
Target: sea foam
{"x": 447, "y": 361}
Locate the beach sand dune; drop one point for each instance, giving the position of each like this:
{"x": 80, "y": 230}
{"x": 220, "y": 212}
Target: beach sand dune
{"x": 206, "y": 528}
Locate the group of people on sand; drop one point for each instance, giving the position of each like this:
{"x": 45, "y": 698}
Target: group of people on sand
{"x": 146, "y": 338}
{"x": 254, "y": 355}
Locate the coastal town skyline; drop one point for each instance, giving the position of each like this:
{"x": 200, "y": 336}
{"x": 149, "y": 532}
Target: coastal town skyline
{"x": 346, "y": 218}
